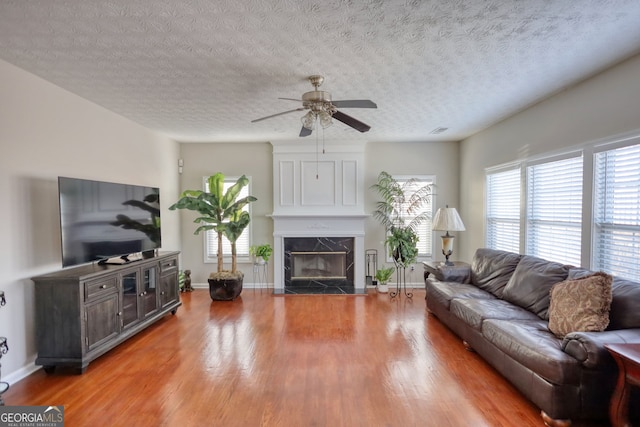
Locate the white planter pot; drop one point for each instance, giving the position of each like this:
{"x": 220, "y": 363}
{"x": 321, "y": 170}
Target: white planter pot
{"x": 382, "y": 288}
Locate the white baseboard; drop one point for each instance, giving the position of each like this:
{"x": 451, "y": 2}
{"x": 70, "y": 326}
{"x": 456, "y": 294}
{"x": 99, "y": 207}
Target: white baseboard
{"x": 21, "y": 373}
{"x": 245, "y": 285}
{"x": 416, "y": 285}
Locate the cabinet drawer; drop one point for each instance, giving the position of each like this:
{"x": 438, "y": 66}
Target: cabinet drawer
{"x": 168, "y": 265}
{"x": 100, "y": 287}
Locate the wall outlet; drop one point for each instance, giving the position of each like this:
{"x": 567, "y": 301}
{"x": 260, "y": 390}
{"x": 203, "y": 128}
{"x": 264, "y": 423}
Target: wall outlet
{"x": 413, "y": 267}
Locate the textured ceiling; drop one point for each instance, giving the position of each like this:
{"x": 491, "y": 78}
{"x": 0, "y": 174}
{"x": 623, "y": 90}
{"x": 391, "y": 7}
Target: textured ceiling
{"x": 201, "y": 70}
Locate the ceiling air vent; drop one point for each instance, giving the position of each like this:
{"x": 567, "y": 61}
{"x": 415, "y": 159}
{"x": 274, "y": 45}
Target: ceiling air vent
{"x": 439, "y": 130}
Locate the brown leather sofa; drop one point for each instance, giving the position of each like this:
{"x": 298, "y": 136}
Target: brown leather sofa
{"x": 502, "y": 314}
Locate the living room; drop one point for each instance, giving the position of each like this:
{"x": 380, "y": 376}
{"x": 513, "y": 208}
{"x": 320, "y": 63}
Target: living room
{"x": 47, "y": 131}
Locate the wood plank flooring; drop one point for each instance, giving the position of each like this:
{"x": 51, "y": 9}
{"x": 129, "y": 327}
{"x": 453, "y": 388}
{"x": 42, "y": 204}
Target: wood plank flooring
{"x": 265, "y": 360}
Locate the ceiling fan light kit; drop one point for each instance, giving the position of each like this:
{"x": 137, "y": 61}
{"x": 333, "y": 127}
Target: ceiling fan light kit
{"x": 323, "y": 110}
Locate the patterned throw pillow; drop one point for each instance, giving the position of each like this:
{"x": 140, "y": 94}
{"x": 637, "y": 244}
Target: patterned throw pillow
{"x": 580, "y": 305}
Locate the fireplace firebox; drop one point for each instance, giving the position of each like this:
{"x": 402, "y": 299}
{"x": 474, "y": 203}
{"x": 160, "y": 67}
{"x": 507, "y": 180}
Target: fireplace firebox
{"x": 318, "y": 264}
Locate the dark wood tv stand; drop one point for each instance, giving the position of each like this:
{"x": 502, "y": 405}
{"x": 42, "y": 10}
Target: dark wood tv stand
{"x": 85, "y": 311}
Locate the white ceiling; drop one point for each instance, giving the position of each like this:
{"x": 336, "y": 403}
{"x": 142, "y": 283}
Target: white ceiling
{"x": 201, "y": 70}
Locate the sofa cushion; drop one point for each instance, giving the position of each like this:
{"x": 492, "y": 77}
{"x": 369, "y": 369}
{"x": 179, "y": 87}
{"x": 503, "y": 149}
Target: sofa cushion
{"x": 580, "y": 305}
{"x": 625, "y": 304}
{"x": 474, "y": 311}
{"x": 531, "y": 282}
{"x": 530, "y": 343}
{"x": 491, "y": 269}
{"x": 444, "y": 292}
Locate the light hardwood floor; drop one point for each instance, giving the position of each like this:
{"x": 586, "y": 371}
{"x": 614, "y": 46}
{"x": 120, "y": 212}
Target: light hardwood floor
{"x": 266, "y": 360}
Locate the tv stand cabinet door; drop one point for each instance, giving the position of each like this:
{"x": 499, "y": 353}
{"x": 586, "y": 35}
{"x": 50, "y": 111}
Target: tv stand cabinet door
{"x": 102, "y": 321}
{"x": 169, "y": 287}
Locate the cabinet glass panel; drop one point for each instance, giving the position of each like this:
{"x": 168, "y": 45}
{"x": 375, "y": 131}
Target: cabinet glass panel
{"x": 129, "y": 298}
{"x": 149, "y": 295}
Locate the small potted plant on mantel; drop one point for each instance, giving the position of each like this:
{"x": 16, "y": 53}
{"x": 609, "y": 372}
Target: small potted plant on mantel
{"x": 261, "y": 253}
{"x": 382, "y": 276}
{"x": 222, "y": 212}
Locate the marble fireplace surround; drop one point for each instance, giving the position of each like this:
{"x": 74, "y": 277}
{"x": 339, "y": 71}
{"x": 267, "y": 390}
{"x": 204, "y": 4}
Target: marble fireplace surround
{"x": 321, "y": 228}
{"x": 318, "y": 196}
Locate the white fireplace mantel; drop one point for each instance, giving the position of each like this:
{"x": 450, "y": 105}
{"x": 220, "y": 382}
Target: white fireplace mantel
{"x": 285, "y": 226}
{"x": 318, "y": 195}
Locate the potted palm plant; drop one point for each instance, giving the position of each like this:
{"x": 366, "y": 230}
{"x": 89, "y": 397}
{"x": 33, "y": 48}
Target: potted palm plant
{"x": 261, "y": 253}
{"x": 222, "y": 212}
{"x": 382, "y": 276}
{"x": 399, "y": 212}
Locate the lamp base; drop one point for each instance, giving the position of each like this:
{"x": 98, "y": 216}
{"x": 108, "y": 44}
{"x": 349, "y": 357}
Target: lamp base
{"x": 446, "y": 258}
{"x": 447, "y": 247}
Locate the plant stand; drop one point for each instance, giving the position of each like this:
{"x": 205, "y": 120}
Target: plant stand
{"x": 260, "y": 274}
{"x": 401, "y": 282}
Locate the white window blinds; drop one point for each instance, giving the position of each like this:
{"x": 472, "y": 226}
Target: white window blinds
{"x": 616, "y": 242}
{"x": 554, "y": 210}
{"x": 211, "y": 237}
{"x": 503, "y": 210}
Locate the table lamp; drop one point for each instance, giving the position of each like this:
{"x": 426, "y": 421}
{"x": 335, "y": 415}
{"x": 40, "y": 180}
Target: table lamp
{"x": 447, "y": 219}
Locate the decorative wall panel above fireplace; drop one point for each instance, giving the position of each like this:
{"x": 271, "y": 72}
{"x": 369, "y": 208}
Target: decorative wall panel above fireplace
{"x": 309, "y": 182}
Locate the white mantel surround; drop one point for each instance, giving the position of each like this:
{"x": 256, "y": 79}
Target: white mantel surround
{"x": 331, "y": 205}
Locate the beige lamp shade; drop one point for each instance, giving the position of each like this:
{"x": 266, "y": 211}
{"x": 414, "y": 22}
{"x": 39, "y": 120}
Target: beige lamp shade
{"x": 447, "y": 219}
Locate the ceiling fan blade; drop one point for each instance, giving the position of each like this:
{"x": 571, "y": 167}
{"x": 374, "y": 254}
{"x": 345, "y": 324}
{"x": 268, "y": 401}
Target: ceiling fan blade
{"x": 305, "y": 132}
{"x": 350, "y": 121}
{"x": 276, "y": 115}
{"x": 291, "y": 99}
{"x": 355, "y": 103}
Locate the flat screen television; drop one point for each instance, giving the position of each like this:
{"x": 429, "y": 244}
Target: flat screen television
{"x": 105, "y": 220}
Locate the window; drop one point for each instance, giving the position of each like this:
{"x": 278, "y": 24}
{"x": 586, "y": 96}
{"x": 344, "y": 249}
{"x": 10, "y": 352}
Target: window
{"x": 581, "y": 207}
{"x": 503, "y": 210}
{"x": 616, "y": 216}
{"x": 554, "y": 210}
{"x": 211, "y": 237}
{"x": 425, "y": 244}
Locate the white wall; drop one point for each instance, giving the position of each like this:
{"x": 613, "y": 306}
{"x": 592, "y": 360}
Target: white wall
{"x": 46, "y": 132}
{"x": 599, "y": 108}
{"x": 411, "y": 158}
{"x": 233, "y": 159}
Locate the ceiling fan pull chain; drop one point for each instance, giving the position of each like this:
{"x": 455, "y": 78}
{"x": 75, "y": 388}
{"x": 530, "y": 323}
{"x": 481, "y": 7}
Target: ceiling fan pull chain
{"x": 323, "y": 141}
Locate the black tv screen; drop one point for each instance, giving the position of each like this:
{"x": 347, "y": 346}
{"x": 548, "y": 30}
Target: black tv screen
{"x": 102, "y": 220}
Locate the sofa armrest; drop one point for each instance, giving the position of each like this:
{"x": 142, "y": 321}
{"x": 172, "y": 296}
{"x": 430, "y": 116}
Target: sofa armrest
{"x": 459, "y": 272}
{"x": 588, "y": 347}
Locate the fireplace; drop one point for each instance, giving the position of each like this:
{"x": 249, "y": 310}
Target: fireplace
{"x": 318, "y": 218}
{"x": 318, "y": 265}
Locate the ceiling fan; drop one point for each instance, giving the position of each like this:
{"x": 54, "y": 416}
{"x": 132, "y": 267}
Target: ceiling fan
{"x": 322, "y": 109}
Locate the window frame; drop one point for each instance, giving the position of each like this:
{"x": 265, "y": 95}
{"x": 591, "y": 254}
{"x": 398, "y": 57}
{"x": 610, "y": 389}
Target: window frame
{"x": 531, "y": 222}
{"x": 589, "y": 152}
{"x": 209, "y": 254}
{"x": 628, "y": 273}
{"x": 426, "y": 179}
{"x": 511, "y": 167}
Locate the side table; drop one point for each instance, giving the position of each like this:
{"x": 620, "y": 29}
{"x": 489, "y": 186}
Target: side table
{"x": 627, "y": 357}
{"x": 458, "y": 272}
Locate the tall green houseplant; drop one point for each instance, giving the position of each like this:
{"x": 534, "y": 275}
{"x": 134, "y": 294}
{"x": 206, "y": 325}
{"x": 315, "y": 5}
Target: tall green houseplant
{"x": 399, "y": 211}
{"x": 222, "y": 212}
